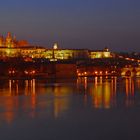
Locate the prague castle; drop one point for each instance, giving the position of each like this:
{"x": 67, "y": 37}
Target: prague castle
{"x": 11, "y": 47}
{"x": 20, "y": 59}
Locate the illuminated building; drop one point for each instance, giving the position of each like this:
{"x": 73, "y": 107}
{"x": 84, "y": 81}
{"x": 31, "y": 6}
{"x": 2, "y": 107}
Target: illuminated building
{"x": 100, "y": 54}
{"x": 11, "y": 47}
{"x": 64, "y": 54}
{"x": 11, "y": 42}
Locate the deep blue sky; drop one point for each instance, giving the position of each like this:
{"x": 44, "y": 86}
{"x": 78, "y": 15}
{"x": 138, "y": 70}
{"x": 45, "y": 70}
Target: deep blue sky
{"x": 74, "y": 23}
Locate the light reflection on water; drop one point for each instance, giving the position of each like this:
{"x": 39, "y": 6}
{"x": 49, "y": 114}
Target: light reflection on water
{"x": 38, "y": 98}
{"x": 105, "y": 91}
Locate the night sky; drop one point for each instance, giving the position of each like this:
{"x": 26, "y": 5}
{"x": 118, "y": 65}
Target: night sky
{"x": 90, "y": 24}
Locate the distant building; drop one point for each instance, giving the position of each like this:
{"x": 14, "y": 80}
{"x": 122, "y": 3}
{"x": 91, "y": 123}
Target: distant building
{"x": 10, "y": 47}
{"x": 100, "y": 53}
{"x": 63, "y": 54}
{"x": 11, "y": 42}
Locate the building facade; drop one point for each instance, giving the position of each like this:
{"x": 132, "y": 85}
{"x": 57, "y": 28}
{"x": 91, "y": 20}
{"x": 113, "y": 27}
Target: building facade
{"x": 10, "y": 47}
{"x": 10, "y": 41}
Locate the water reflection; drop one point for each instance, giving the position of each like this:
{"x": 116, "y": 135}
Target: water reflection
{"x": 104, "y": 91}
{"x": 34, "y": 98}
{"x": 101, "y": 93}
{"x": 130, "y": 91}
{"x": 129, "y": 87}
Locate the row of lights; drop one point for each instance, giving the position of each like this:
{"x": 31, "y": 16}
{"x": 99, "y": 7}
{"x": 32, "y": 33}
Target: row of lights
{"x": 26, "y": 72}
{"x": 94, "y": 73}
{"x": 11, "y": 72}
{"x": 29, "y": 72}
{"x": 132, "y": 59}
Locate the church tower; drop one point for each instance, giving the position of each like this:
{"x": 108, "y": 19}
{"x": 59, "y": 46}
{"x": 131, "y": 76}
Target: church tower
{"x": 9, "y": 40}
{"x": 1, "y": 41}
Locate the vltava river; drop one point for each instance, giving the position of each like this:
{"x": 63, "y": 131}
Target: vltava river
{"x": 76, "y": 109}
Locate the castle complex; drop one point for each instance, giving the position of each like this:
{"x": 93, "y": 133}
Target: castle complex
{"x": 18, "y": 58}
{"x": 10, "y": 47}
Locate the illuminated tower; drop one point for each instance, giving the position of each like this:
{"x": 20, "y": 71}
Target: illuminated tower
{"x": 9, "y": 40}
{"x": 55, "y": 47}
{"x": 1, "y": 41}
{"x": 14, "y": 42}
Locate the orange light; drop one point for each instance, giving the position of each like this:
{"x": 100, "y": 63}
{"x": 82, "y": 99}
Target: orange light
{"x": 79, "y": 74}
{"x": 96, "y": 72}
{"x": 100, "y": 72}
{"x": 33, "y": 71}
{"x": 26, "y": 72}
{"x": 85, "y": 73}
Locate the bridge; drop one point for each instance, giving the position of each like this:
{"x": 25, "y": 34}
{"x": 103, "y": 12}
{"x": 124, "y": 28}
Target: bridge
{"x": 130, "y": 71}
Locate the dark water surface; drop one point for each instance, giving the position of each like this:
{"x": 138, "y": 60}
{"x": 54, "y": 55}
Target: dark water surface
{"x": 77, "y": 109}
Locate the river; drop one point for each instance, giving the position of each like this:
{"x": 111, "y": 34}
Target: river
{"x": 96, "y": 108}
